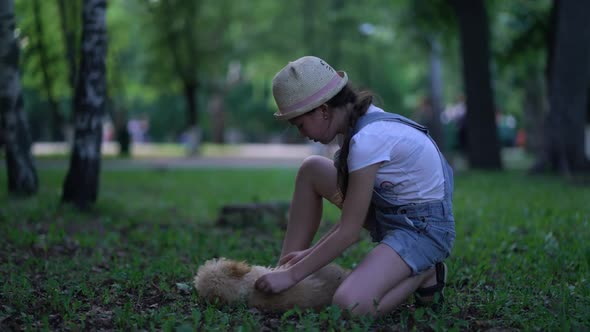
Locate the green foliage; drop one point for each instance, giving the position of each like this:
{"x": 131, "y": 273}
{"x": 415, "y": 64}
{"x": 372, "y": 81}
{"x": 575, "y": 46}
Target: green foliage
{"x": 251, "y": 113}
{"x": 383, "y": 45}
{"x": 52, "y": 41}
{"x": 520, "y": 259}
{"x": 519, "y": 32}
{"x": 127, "y": 66}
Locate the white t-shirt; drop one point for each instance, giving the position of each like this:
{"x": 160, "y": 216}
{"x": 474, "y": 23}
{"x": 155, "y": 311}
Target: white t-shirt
{"x": 411, "y": 169}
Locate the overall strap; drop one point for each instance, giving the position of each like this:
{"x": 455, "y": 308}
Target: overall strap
{"x": 381, "y": 116}
{"x": 386, "y": 116}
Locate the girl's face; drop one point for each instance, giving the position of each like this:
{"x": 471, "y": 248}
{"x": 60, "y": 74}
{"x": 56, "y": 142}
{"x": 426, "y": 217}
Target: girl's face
{"x": 315, "y": 125}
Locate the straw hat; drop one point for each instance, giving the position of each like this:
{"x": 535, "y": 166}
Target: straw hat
{"x": 305, "y": 84}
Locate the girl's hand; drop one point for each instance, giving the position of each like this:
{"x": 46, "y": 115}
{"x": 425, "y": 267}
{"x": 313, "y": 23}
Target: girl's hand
{"x": 293, "y": 257}
{"x": 275, "y": 282}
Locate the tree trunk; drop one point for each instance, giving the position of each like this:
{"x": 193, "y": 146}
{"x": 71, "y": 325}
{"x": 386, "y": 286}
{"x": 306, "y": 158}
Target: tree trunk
{"x": 217, "y": 113}
{"x": 193, "y": 131}
{"x": 56, "y": 117}
{"x": 190, "y": 89}
{"x": 122, "y": 132}
{"x": 22, "y": 175}
{"x": 535, "y": 109}
{"x": 217, "y": 101}
{"x": 436, "y": 84}
{"x": 81, "y": 183}
{"x": 119, "y": 118}
{"x": 483, "y": 147}
{"x": 569, "y": 73}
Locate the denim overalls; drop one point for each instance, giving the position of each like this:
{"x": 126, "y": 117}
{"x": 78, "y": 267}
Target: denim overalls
{"x": 422, "y": 234}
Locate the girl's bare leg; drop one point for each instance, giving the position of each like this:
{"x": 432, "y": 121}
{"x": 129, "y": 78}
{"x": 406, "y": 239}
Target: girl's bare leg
{"x": 398, "y": 295}
{"x": 380, "y": 283}
{"x": 315, "y": 180}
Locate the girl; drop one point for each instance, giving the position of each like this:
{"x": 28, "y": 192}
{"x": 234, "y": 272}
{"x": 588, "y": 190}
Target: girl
{"x": 388, "y": 176}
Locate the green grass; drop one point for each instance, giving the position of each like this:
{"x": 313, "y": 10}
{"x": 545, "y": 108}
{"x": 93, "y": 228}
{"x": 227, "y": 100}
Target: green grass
{"x": 521, "y": 258}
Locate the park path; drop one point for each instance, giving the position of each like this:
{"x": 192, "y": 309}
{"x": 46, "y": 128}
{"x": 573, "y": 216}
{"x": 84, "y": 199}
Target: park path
{"x": 179, "y": 163}
{"x": 241, "y": 156}
{"x": 236, "y": 156}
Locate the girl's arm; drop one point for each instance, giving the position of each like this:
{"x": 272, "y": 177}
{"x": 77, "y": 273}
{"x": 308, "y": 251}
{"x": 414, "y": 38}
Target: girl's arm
{"x": 332, "y": 230}
{"x": 294, "y": 257}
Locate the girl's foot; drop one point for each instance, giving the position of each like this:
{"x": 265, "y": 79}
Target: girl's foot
{"x": 433, "y": 291}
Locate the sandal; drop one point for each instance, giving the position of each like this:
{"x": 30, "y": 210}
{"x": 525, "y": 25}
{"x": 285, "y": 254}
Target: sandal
{"x": 435, "y": 291}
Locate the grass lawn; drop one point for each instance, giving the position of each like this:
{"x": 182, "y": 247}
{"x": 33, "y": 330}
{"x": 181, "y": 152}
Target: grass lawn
{"x": 521, "y": 258}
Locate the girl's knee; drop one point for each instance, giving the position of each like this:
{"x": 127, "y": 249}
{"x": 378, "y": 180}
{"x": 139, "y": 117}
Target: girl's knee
{"x": 313, "y": 163}
{"x": 318, "y": 172}
{"x": 348, "y": 299}
{"x": 343, "y": 299}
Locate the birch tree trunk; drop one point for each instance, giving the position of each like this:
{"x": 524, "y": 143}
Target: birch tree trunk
{"x": 81, "y": 183}
{"x": 22, "y": 175}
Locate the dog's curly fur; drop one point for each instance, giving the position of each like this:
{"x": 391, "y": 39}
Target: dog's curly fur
{"x": 232, "y": 282}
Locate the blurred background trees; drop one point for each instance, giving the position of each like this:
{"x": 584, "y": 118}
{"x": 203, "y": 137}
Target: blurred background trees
{"x": 189, "y": 71}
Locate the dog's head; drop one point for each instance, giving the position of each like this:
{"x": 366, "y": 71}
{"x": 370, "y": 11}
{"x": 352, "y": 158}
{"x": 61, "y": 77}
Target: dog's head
{"x": 224, "y": 279}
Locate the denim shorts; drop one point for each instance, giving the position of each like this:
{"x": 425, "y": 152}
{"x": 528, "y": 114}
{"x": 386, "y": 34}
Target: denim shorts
{"x": 421, "y": 239}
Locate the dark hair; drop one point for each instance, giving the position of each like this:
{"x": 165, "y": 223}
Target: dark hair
{"x": 356, "y": 103}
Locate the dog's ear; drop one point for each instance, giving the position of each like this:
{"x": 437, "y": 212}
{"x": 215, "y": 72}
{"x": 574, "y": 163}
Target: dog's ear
{"x": 238, "y": 269}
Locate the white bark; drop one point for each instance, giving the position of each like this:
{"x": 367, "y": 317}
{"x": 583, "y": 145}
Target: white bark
{"x": 22, "y": 176}
{"x": 81, "y": 185}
